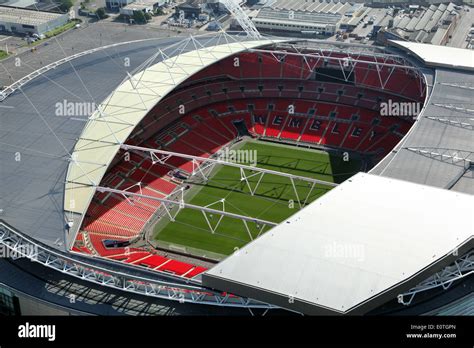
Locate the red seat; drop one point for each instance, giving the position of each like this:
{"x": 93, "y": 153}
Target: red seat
{"x": 176, "y": 267}
{"x": 153, "y": 261}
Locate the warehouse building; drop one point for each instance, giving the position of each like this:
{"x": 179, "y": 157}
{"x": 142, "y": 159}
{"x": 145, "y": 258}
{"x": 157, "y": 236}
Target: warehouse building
{"x": 116, "y": 5}
{"x": 131, "y": 9}
{"x": 432, "y": 25}
{"x": 321, "y": 17}
{"x": 296, "y": 21}
{"x": 25, "y": 21}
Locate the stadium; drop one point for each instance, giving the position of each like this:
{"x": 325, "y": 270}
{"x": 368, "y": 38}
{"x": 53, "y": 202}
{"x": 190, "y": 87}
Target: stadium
{"x": 226, "y": 175}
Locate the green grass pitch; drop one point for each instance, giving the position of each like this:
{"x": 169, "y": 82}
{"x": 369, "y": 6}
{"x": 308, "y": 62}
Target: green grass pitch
{"x": 272, "y": 201}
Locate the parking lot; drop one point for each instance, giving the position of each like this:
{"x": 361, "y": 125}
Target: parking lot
{"x": 90, "y": 35}
{"x": 11, "y": 43}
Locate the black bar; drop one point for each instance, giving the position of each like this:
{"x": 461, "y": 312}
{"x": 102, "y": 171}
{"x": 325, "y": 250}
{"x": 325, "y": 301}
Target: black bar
{"x": 287, "y": 330}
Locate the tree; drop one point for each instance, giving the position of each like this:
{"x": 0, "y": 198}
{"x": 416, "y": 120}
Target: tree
{"x": 139, "y": 17}
{"x": 65, "y": 5}
{"x": 148, "y": 16}
{"x": 101, "y": 14}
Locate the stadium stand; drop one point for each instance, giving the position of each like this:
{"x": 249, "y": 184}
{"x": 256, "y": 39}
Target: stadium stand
{"x": 276, "y": 97}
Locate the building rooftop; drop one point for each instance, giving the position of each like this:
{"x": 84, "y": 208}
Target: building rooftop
{"x": 299, "y": 16}
{"x": 19, "y": 3}
{"x": 27, "y": 17}
{"x": 137, "y": 6}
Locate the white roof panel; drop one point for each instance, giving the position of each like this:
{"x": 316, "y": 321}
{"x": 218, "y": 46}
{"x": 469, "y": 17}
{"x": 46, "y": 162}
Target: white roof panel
{"x": 364, "y": 237}
{"x": 435, "y": 55}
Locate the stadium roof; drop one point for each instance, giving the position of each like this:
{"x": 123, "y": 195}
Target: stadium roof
{"x": 439, "y": 56}
{"x": 120, "y": 113}
{"x": 353, "y": 249}
{"x": 32, "y": 183}
{"x": 439, "y": 149}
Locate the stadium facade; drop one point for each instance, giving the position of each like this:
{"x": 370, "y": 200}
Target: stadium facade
{"x": 73, "y": 202}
